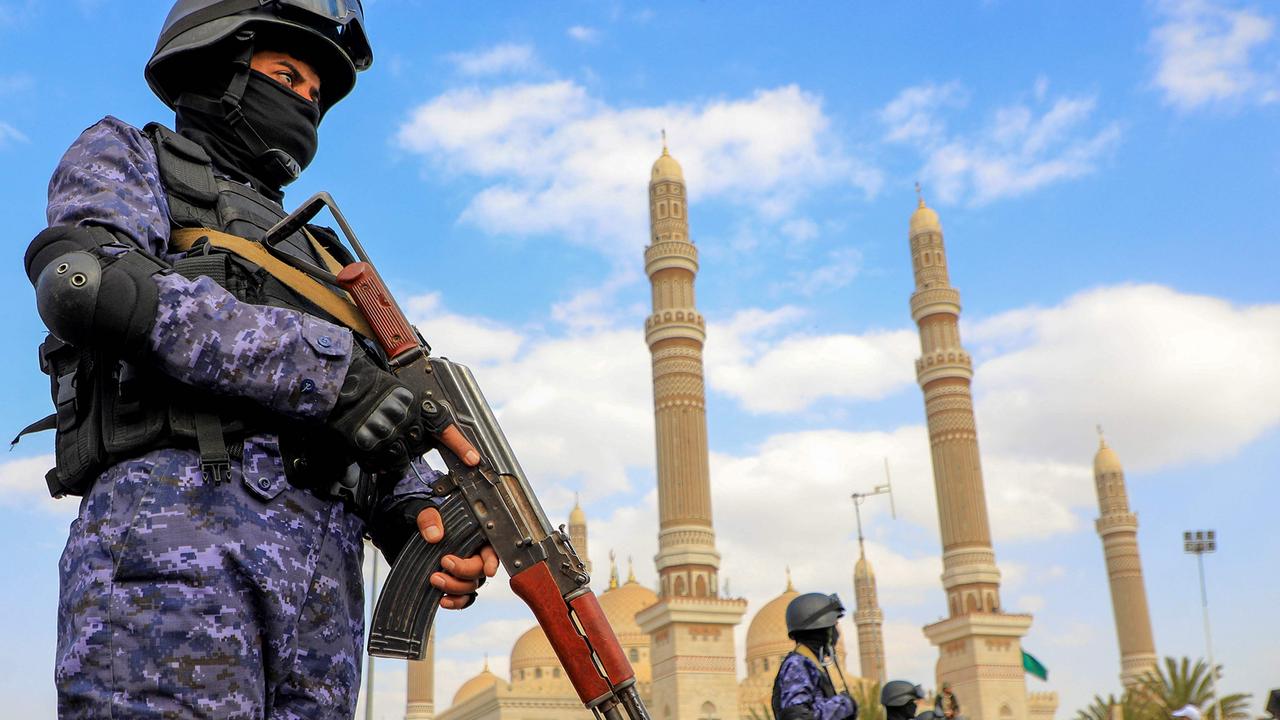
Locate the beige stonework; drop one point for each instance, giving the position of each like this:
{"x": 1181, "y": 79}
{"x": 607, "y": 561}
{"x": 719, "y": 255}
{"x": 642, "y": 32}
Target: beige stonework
{"x": 980, "y": 651}
{"x": 1118, "y": 528}
{"x": 420, "y": 698}
{"x": 868, "y": 618}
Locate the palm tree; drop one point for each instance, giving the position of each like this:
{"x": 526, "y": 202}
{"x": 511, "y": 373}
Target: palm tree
{"x": 1180, "y": 683}
{"x": 761, "y": 713}
{"x": 867, "y": 694}
{"x": 1131, "y": 708}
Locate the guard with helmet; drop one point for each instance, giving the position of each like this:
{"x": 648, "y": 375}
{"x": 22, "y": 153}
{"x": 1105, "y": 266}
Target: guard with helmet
{"x": 803, "y": 688}
{"x": 901, "y": 700}
{"x": 232, "y": 441}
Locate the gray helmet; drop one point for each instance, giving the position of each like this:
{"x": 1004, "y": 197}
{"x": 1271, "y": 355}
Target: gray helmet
{"x": 328, "y": 33}
{"x": 897, "y": 693}
{"x": 813, "y": 611}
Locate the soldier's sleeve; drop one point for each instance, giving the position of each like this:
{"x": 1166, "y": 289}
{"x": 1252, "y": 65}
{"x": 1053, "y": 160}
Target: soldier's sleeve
{"x": 287, "y": 361}
{"x": 797, "y": 688}
{"x": 394, "y": 517}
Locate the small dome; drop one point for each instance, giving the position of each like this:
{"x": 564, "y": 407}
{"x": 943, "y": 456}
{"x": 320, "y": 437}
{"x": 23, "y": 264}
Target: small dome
{"x": 475, "y": 685}
{"x": 924, "y": 219}
{"x": 666, "y": 168}
{"x": 532, "y": 650}
{"x": 577, "y": 516}
{"x": 1106, "y": 461}
{"x": 621, "y": 604}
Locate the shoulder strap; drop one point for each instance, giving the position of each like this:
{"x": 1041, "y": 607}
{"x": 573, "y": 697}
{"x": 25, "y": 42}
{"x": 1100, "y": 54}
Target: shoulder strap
{"x": 339, "y": 306}
{"x": 187, "y": 173}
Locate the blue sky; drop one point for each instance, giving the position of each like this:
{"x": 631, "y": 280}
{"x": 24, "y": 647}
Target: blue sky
{"x": 1106, "y": 177}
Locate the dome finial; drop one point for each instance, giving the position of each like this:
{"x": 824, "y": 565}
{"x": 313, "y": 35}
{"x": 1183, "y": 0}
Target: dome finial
{"x": 631, "y": 570}
{"x": 486, "y": 663}
{"x": 919, "y": 195}
{"x": 1102, "y": 439}
{"x": 664, "y": 141}
{"x": 790, "y": 587}
{"x": 613, "y": 571}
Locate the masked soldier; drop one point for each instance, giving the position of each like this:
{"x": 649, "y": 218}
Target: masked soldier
{"x": 901, "y": 700}
{"x": 803, "y": 689}
{"x": 232, "y": 438}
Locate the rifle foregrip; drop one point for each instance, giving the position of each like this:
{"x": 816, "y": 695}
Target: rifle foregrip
{"x": 407, "y": 606}
{"x": 371, "y": 296}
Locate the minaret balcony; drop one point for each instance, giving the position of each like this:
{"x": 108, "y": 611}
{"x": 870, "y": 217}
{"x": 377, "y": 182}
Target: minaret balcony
{"x": 932, "y": 301}
{"x": 1117, "y": 523}
{"x": 670, "y": 254}
{"x": 687, "y": 324}
{"x": 948, "y": 363}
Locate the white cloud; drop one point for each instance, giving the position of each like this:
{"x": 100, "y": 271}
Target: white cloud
{"x": 1172, "y": 377}
{"x": 1208, "y": 52}
{"x": 10, "y": 134}
{"x": 1022, "y": 149}
{"x": 839, "y": 268}
{"x": 584, "y": 34}
{"x": 794, "y": 369}
{"x": 498, "y": 60}
{"x": 22, "y": 486}
{"x": 471, "y": 340}
{"x": 561, "y": 161}
{"x": 800, "y": 229}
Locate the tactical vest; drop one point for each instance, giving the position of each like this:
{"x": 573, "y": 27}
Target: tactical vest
{"x": 108, "y": 410}
{"x": 825, "y": 689}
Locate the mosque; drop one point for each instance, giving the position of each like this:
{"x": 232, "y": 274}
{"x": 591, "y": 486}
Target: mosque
{"x": 680, "y": 638}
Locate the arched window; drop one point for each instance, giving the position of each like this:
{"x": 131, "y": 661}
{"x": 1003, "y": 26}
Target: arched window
{"x": 537, "y": 673}
{"x": 680, "y": 587}
{"x": 708, "y": 712}
{"x": 700, "y": 587}
{"x": 635, "y": 655}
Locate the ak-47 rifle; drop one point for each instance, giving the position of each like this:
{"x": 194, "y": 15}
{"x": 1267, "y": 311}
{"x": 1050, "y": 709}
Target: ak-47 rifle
{"x": 489, "y": 503}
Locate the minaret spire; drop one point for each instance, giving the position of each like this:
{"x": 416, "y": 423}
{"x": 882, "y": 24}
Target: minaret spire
{"x": 867, "y": 616}
{"x": 980, "y": 645}
{"x": 1118, "y": 528}
{"x": 613, "y": 571}
{"x": 420, "y": 695}
{"x": 578, "y": 532}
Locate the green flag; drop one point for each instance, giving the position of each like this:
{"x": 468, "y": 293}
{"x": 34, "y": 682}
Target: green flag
{"x": 1033, "y": 666}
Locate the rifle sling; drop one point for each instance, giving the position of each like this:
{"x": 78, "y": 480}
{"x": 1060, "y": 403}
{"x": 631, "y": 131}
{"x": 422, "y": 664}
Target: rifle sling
{"x": 338, "y": 305}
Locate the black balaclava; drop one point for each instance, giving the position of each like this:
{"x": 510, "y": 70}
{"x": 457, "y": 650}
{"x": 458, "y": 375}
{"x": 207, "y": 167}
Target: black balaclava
{"x": 287, "y": 124}
{"x": 822, "y": 642}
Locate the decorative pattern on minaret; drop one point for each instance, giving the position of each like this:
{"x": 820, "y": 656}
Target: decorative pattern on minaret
{"x": 687, "y": 560}
{"x": 944, "y": 372}
{"x": 1118, "y": 528}
{"x": 578, "y": 532}
{"x": 868, "y": 618}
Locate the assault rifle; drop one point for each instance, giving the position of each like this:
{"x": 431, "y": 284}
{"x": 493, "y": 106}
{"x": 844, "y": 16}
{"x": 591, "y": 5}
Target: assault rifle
{"x": 490, "y": 503}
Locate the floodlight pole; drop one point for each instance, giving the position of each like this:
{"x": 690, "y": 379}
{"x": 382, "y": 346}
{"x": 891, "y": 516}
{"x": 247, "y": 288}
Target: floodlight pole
{"x": 1198, "y": 543}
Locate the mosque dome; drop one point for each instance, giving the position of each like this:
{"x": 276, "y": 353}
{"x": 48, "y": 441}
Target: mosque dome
{"x": 475, "y": 685}
{"x": 666, "y": 168}
{"x": 577, "y": 516}
{"x": 620, "y": 606}
{"x": 532, "y": 650}
{"x": 1106, "y": 461}
{"x": 767, "y": 634}
{"x": 924, "y": 219}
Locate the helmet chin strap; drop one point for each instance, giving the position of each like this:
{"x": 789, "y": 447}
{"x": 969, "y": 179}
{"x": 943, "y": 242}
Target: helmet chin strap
{"x": 242, "y": 62}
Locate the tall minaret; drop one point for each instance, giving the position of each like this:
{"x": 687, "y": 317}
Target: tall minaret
{"x": 420, "y": 699}
{"x": 980, "y": 648}
{"x": 578, "y": 532}
{"x": 868, "y": 618}
{"x": 691, "y": 627}
{"x": 1118, "y": 528}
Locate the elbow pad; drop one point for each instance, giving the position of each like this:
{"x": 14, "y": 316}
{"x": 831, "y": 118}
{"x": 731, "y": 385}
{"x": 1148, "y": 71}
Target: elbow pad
{"x": 89, "y": 299}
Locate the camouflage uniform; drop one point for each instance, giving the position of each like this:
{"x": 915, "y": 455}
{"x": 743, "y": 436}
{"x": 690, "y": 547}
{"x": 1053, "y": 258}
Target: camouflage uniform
{"x": 189, "y": 599}
{"x": 802, "y": 684}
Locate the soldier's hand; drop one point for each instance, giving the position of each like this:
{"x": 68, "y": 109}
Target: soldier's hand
{"x": 461, "y": 576}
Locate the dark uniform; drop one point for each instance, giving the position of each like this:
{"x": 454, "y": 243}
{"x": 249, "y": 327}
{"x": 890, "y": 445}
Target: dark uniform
{"x": 209, "y": 417}
{"x": 803, "y": 689}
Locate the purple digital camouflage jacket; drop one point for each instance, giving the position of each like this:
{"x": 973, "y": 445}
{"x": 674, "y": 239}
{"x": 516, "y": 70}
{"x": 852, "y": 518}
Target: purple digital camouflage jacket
{"x": 799, "y": 682}
{"x": 287, "y": 361}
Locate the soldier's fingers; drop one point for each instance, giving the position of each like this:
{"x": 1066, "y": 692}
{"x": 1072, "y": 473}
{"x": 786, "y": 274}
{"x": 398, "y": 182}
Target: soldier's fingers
{"x": 457, "y": 602}
{"x": 466, "y": 568}
{"x": 452, "y": 585}
{"x": 431, "y": 525}
{"x": 490, "y": 560}
{"x": 453, "y": 439}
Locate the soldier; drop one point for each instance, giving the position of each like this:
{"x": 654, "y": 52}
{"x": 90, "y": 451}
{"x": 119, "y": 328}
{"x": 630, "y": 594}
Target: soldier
{"x": 232, "y": 441}
{"x": 901, "y": 700}
{"x": 803, "y": 689}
